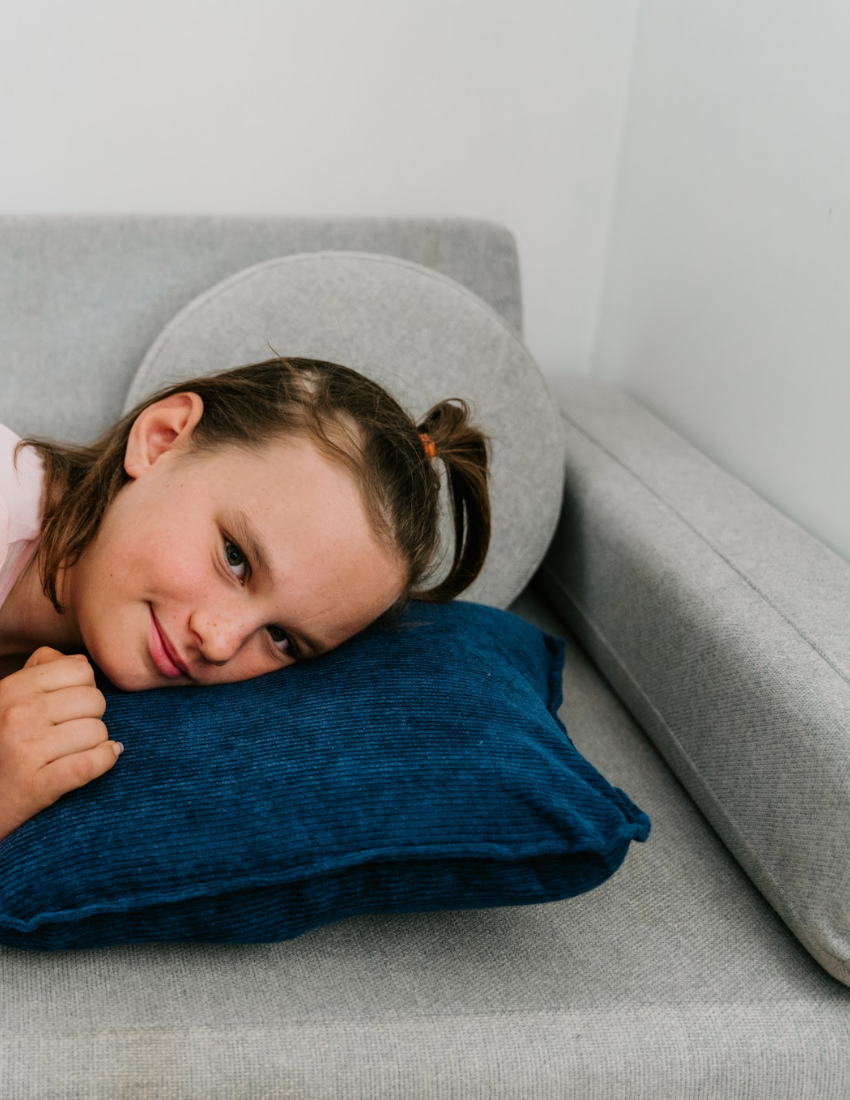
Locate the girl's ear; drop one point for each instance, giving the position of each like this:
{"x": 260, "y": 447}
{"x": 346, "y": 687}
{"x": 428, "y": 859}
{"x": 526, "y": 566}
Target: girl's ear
{"x": 165, "y": 426}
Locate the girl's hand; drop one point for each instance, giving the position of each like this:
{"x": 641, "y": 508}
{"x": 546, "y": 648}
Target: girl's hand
{"x": 52, "y": 739}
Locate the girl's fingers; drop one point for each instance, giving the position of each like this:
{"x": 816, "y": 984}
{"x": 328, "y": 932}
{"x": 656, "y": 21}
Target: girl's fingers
{"x": 43, "y": 655}
{"x": 74, "y": 702}
{"x": 78, "y": 735}
{"x": 69, "y": 772}
{"x": 53, "y": 675}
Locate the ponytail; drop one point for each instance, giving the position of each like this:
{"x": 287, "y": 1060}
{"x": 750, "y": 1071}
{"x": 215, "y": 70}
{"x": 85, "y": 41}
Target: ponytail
{"x": 462, "y": 448}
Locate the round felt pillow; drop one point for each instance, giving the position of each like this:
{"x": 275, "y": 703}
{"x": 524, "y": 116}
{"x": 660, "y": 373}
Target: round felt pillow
{"x": 424, "y": 338}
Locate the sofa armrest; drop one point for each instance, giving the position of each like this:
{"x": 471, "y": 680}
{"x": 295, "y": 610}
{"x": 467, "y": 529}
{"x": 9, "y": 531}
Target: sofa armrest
{"x": 723, "y": 627}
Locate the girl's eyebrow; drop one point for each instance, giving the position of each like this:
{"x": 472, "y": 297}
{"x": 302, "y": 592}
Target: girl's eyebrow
{"x": 244, "y": 532}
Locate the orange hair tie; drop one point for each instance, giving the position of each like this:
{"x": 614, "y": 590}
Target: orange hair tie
{"x": 428, "y": 444}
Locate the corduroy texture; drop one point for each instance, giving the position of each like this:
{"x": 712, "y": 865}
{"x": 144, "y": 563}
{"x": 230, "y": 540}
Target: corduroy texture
{"x": 674, "y": 980}
{"x": 422, "y": 336}
{"x": 722, "y": 624}
{"x": 421, "y": 766}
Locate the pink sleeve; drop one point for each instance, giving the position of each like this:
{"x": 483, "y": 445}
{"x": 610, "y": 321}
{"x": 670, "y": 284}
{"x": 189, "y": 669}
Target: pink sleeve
{"x": 20, "y": 508}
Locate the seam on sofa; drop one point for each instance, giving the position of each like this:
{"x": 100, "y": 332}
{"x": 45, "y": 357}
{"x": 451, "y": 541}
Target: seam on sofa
{"x": 361, "y": 1020}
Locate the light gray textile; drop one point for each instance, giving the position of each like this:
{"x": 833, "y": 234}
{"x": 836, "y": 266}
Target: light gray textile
{"x": 674, "y": 980}
{"x": 724, "y": 627}
{"x": 422, "y": 336}
{"x": 83, "y": 298}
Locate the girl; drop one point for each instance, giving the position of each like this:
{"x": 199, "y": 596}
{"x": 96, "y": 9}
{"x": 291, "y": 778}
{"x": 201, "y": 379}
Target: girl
{"x": 226, "y": 527}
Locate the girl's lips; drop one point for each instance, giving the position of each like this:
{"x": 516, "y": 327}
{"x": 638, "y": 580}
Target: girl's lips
{"x": 159, "y": 653}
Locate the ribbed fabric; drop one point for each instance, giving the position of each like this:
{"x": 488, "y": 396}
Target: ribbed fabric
{"x": 673, "y": 981}
{"x": 422, "y": 766}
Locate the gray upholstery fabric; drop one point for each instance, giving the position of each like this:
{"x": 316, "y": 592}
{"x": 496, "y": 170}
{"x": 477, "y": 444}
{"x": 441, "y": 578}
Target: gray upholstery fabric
{"x": 724, "y": 627}
{"x": 423, "y": 337}
{"x": 83, "y": 298}
{"x": 675, "y": 980}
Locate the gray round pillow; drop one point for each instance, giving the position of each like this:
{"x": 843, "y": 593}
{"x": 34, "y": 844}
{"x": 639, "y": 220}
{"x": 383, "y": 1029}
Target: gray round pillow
{"x": 424, "y": 338}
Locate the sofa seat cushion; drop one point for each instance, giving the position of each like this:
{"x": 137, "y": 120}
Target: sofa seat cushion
{"x": 673, "y": 979}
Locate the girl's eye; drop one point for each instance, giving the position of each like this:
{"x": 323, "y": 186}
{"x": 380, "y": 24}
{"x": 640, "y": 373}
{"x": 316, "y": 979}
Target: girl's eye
{"x": 236, "y": 560}
{"x": 281, "y": 640}
{"x": 234, "y": 557}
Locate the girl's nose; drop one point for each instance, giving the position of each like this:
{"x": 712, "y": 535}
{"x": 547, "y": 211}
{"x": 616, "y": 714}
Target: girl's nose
{"x": 219, "y": 635}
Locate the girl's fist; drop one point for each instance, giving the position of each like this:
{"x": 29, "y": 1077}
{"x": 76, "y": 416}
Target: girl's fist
{"x": 52, "y": 737}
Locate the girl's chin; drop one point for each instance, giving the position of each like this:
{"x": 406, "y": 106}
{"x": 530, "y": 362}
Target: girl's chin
{"x": 124, "y": 677}
{"x": 129, "y": 682}
{"x": 126, "y": 681}
{"x": 129, "y": 671}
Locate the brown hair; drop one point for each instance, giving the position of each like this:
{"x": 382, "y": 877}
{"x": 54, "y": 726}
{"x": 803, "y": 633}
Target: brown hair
{"x": 351, "y": 418}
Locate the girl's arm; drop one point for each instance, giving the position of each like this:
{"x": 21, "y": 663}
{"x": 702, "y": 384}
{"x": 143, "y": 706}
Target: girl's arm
{"x": 52, "y": 738}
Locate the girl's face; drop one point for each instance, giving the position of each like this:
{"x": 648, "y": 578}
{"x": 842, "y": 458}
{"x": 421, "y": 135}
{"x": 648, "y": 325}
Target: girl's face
{"x": 222, "y": 567}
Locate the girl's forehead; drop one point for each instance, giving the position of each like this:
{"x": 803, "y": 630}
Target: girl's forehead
{"x": 274, "y": 451}
{"x": 263, "y": 457}
{"x": 289, "y": 471}
{"x": 287, "y": 478}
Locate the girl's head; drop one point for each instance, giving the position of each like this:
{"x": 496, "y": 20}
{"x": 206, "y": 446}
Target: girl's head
{"x": 244, "y": 520}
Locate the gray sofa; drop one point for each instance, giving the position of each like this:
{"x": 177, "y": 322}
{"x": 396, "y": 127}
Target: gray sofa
{"x": 706, "y": 674}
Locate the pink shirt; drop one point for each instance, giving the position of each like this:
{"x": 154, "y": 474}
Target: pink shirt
{"x": 20, "y": 508}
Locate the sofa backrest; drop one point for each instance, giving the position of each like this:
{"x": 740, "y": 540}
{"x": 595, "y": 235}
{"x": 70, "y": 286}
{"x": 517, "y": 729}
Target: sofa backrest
{"x": 83, "y": 298}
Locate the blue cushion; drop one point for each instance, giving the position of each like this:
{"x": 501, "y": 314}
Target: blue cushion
{"x": 420, "y": 766}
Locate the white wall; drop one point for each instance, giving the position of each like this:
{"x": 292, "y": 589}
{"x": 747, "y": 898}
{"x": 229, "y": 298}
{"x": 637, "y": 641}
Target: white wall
{"x": 503, "y": 109}
{"x": 726, "y": 306}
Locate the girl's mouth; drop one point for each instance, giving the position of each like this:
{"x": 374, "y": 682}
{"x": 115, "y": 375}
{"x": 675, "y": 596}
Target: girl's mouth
{"x": 161, "y": 659}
